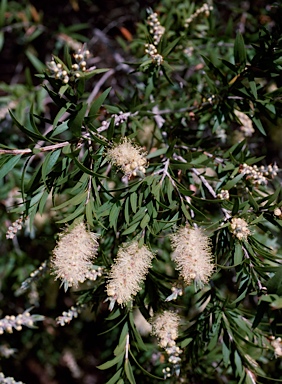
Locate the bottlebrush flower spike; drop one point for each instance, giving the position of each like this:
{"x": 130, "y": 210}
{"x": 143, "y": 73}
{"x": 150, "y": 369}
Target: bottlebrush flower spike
{"x": 73, "y": 254}
{"x": 129, "y": 157}
{"x": 128, "y": 272}
{"x": 192, "y": 254}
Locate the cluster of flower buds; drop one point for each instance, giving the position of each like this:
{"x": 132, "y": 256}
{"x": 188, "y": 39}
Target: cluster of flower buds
{"x": 205, "y": 8}
{"x": 156, "y": 29}
{"x": 270, "y": 170}
{"x": 258, "y": 174}
{"x": 246, "y": 123}
{"x": 223, "y": 194}
{"x": 165, "y": 328}
{"x": 8, "y": 380}
{"x": 276, "y": 343}
{"x": 6, "y": 351}
{"x": 9, "y": 322}
{"x": 58, "y": 71}
{"x": 239, "y": 228}
{"x": 14, "y": 228}
{"x": 175, "y": 293}
{"x": 188, "y": 51}
{"x": 80, "y": 57}
{"x": 118, "y": 119}
{"x": 68, "y": 316}
{"x": 277, "y": 212}
{"x": 152, "y": 51}
{"x": 93, "y": 274}
{"x": 33, "y": 278}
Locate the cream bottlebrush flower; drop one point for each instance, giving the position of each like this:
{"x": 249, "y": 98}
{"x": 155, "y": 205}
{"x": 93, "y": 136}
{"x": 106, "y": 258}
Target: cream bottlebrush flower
{"x": 192, "y": 254}
{"x": 128, "y": 272}
{"x": 239, "y": 227}
{"x": 129, "y": 157}
{"x": 72, "y": 255}
{"x": 165, "y": 328}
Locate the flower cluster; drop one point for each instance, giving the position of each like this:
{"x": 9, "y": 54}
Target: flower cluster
{"x": 6, "y": 351}
{"x": 257, "y": 175}
{"x": 223, "y": 194}
{"x": 118, "y": 119}
{"x": 239, "y": 228}
{"x": 175, "y": 293}
{"x": 247, "y": 124}
{"x": 68, "y": 316}
{"x": 14, "y": 228}
{"x": 72, "y": 256}
{"x": 8, "y": 380}
{"x": 60, "y": 71}
{"x": 33, "y": 277}
{"x": 128, "y": 272}
{"x": 205, "y": 8}
{"x": 277, "y": 212}
{"x": 276, "y": 343}
{"x": 129, "y": 157}
{"x": 165, "y": 328}
{"x": 152, "y": 51}
{"x": 80, "y": 57}
{"x": 9, "y": 322}
{"x": 156, "y": 29}
{"x": 192, "y": 254}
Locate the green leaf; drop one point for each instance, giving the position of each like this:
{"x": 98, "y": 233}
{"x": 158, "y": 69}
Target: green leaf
{"x": 258, "y": 123}
{"x": 111, "y": 363}
{"x": 186, "y": 342}
{"x": 77, "y": 199}
{"x": 133, "y": 202}
{"x": 253, "y": 87}
{"x": 145, "y": 221}
{"x": 9, "y": 165}
{"x": 96, "y": 105}
{"x": 75, "y": 123}
{"x": 116, "y": 376}
{"x": 274, "y": 285}
{"x": 238, "y": 254}
{"x": 38, "y": 65}
{"x": 130, "y": 229}
{"x": 129, "y": 372}
{"x": 240, "y": 57}
{"x": 1, "y": 38}
{"x": 49, "y": 162}
{"x": 3, "y": 8}
{"x": 28, "y": 131}
{"x": 111, "y": 129}
{"x": 231, "y": 183}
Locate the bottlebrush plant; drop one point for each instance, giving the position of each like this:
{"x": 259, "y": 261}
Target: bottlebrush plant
{"x": 166, "y": 216}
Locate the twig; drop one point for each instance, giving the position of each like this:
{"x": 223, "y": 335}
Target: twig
{"x": 127, "y": 347}
{"x": 28, "y": 150}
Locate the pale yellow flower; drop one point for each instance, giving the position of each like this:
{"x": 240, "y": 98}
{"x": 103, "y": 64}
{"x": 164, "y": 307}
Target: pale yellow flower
{"x": 239, "y": 227}
{"x": 72, "y": 256}
{"x": 192, "y": 254}
{"x": 128, "y": 272}
{"x": 165, "y": 328}
{"x": 129, "y": 157}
